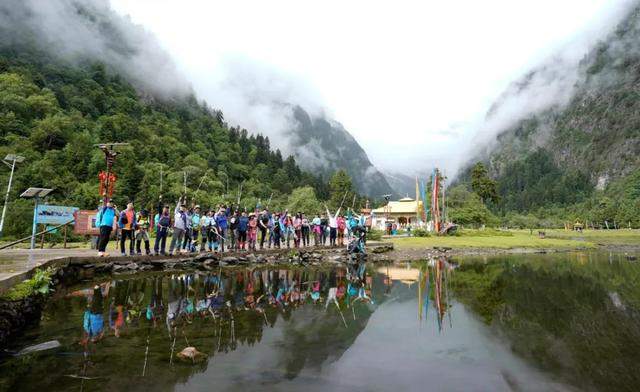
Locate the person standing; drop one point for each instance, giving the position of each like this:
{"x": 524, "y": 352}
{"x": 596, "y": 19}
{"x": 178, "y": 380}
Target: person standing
{"x": 252, "y": 231}
{"x": 186, "y": 243}
{"x": 324, "y": 226}
{"x": 204, "y": 228}
{"x": 162, "y": 230}
{"x": 179, "y": 227}
{"x": 306, "y": 228}
{"x": 342, "y": 225}
{"x": 222, "y": 223}
{"x": 317, "y": 229}
{"x": 297, "y": 229}
{"x": 333, "y": 226}
{"x": 142, "y": 223}
{"x": 104, "y": 222}
{"x": 243, "y": 226}
{"x": 276, "y": 230}
{"x": 263, "y": 224}
{"x": 195, "y": 227}
{"x": 232, "y": 233}
{"x": 127, "y": 224}
{"x": 270, "y": 226}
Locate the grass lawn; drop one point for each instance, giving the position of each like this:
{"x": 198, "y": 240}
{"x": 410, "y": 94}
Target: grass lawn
{"x": 555, "y": 239}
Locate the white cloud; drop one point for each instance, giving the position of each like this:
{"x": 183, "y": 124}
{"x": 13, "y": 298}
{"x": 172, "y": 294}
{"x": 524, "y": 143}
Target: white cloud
{"x": 409, "y": 79}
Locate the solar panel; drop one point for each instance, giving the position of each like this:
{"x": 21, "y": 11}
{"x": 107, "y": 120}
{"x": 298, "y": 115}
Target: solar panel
{"x": 35, "y": 192}
{"x": 14, "y": 157}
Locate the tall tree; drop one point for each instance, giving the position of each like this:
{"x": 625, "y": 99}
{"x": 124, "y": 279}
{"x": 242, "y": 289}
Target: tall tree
{"x": 340, "y": 188}
{"x": 482, "y": 184}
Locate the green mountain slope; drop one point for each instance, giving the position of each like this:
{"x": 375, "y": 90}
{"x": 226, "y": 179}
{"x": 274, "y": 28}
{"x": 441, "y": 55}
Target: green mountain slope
{"x": 585, "y": 146}
{"x": 55, "y": 106}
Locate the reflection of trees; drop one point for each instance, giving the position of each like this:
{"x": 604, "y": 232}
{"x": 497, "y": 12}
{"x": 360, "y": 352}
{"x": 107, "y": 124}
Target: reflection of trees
{"x": 561, "y": 314}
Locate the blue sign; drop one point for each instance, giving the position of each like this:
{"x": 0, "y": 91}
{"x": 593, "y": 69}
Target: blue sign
{"x": 55, "y": 215}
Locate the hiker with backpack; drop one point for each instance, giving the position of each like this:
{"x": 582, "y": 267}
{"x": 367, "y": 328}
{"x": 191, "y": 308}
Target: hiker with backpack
{"x": 142, "y": 224}
{"x": 179, "y": 226}
{"x": 127, "y": 224}
{"x": 163, "y": 223}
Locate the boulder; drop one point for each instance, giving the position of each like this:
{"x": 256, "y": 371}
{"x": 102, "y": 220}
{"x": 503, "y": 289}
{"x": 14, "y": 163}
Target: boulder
{"x": 230, "y": 260}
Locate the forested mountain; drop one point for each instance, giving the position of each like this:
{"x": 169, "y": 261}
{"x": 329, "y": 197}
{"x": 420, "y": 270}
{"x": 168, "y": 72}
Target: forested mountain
{"x": 577, "y": 156}
{"x": 323, "y": 146}
{"x": 56, "y": 104}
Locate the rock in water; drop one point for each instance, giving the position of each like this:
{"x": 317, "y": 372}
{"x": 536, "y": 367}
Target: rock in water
{"x": 39, "y": 347}
{"x": 191, "y": 354}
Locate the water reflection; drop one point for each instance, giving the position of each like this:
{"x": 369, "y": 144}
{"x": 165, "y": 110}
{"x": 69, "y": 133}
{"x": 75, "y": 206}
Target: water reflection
{"x": 233, "y": 305}
{"x": 432, "y": 279}
{"x": 493, "y": 323}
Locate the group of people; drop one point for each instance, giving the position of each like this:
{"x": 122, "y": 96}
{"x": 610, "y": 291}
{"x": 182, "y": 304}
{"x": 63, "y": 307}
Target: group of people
{"x": 193, "y": 229}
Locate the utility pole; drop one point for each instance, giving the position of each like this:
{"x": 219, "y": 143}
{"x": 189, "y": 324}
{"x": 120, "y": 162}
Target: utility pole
{"x": 13, "y": 159}
{"x": 110, "y": 154}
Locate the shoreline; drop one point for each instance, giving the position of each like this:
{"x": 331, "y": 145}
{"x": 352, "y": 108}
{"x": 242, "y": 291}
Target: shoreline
{"x": 416, "y": 253}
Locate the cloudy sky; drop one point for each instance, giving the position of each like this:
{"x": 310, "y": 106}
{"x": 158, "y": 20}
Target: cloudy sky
{"x": 409, "y": 79}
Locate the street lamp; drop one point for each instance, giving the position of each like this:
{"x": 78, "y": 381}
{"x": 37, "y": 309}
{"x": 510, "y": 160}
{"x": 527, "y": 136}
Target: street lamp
{"x": 13, "y": 158}
{"x": 35, "y": 193}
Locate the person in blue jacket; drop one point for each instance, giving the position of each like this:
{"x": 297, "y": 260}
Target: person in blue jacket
{"x": 221, "y": 221}
{"x": 104, "y": 222}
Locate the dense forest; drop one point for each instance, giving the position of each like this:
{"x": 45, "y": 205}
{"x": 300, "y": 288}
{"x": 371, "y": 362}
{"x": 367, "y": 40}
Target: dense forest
{"x": 54, "y": 113}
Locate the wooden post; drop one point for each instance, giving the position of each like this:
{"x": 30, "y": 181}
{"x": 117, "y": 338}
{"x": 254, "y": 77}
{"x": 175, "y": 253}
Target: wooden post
{"x": 65, "y": 236}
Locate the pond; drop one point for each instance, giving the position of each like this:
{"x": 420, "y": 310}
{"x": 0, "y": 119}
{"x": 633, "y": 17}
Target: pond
{"x": 518, "y": 322}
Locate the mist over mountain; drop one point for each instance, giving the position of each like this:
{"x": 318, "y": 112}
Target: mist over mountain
{"x": 323, "y": 146}
{"x": 568, "y": 128}
{"x": 81, "y": 32}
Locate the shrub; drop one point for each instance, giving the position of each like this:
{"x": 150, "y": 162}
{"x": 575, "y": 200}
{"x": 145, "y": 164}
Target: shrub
{"x": 420, "y": 233}
{"x": 374, "y": 234}
{"x": 38, "y": 284}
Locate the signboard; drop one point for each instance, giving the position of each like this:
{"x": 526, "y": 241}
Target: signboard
{"x": 86, "y": 222}
{"x": 55, "y": 215}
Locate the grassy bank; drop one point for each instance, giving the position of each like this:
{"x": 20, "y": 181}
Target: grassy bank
{"x": 524, "y": 239}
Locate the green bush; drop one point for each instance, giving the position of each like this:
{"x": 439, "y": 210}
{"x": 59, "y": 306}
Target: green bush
{"x": 374, "y": 234}
{"x": 420, "y": 233}
{"x": 38, "y": 284}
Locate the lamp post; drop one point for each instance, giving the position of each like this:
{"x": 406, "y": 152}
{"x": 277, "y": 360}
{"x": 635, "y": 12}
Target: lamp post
{"x": 36, "y": 194}
{"x": 13, "y": 159}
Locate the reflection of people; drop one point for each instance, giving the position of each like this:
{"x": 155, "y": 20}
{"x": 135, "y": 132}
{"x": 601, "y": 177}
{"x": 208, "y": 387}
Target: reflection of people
{"x": 93, "y": 320}
{"x": 117, "y": 309}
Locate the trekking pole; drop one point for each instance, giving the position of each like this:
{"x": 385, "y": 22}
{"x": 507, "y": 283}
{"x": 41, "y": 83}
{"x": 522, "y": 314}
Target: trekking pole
{"x": 173, "y": 346}
{"x": 335, "y": 301}
{"x": 269, "y": 202}
{"x": 185, "y": 182}
{"x": 343, "y": 198}
{"x": 146, "y": 353}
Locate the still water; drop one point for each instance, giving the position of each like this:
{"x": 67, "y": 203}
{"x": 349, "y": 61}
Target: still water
{"x": 528, "y": 322}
